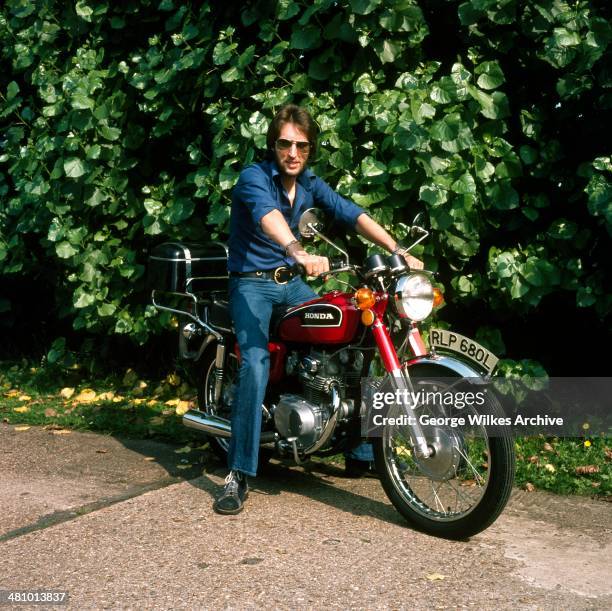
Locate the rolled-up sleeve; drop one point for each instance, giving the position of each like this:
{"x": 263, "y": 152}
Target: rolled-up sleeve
{"x": 341, "y": 209}
{"x": 253, "y": 190}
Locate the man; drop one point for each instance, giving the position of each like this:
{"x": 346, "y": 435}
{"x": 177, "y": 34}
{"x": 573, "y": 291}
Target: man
{"x": 266, "y": 205}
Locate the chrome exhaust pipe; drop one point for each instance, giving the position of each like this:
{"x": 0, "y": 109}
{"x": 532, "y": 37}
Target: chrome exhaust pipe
{"x": 209, "y": 423}
{"x": 219, "y": 427}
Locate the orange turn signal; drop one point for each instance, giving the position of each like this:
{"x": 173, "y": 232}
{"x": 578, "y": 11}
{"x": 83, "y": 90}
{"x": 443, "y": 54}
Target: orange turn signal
{"x": 365, "y": 298}
{"x": 368, "y": 317}
{"x": 438, "y": 299}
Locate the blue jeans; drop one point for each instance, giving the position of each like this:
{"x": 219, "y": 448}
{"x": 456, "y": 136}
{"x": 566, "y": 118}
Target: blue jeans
{"x": 251, "y": 301}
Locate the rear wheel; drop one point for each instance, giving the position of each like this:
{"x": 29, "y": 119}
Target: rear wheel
{"x": 464, "y": 486}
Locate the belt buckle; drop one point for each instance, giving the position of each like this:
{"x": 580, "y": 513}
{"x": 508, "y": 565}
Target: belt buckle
{"x": 277, "y": 274}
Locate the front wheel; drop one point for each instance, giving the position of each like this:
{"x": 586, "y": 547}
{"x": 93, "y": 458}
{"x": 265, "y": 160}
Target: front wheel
{"x": 464, "y": 486}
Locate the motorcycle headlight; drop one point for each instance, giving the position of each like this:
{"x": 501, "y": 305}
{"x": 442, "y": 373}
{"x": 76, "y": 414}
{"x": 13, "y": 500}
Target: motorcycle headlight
{"x": 414, "y": 297}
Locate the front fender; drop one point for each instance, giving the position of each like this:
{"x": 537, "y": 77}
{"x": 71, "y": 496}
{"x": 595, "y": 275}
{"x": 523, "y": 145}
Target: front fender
{"x": 445, "y": 366}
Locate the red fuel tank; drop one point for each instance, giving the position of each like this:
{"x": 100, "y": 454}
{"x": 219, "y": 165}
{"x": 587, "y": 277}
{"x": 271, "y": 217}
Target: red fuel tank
{"x": 331, "y": 319}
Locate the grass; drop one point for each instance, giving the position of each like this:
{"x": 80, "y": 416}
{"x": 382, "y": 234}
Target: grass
{"x": 130, "y": 407}
{"x": 125, "y": 406}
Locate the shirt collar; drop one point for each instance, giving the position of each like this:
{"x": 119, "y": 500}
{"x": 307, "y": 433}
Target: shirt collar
{"x": 305, "y": 178}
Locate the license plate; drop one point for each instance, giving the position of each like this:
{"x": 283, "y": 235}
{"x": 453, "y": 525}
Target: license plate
{"x": 449, "y": 340}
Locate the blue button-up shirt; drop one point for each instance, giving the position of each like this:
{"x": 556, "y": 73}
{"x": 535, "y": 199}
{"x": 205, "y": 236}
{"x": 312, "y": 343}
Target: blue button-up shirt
{"x": 259, "y": 191}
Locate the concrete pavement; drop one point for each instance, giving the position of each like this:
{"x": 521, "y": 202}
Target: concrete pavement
{"x": 129, "y": 525}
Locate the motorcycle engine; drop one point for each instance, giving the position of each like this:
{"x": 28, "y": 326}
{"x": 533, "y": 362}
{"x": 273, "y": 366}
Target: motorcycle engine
{"x": 326, "y": 382}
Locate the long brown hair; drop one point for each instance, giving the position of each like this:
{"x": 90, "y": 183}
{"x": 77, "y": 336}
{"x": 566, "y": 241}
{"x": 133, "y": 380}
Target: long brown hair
{"x": 291, "y": 113}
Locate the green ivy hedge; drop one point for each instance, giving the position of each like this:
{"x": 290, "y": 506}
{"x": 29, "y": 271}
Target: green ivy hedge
{"x": 124, "y": 124}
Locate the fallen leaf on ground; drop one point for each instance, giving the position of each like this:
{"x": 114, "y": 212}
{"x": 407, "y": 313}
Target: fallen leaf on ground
{"x": 21, "y": 428}
{"x": 87, "y": 395}
{"x": 13, "y": 393}
{"x": 172, "y": 402}
{"x": 101, "y": 451}
{"x": 549, "y": 467}
{"x": 149, "y": 458}
{"x": 21, "y": 410}
{"x": 24, "y": 398}
{"x": 587, "y": 469}
{"x": 50, "y": 413}
{"x": 182, "y": 407}
{"x": 156, "y": 420}
{"x": 61, "y": 432}
{"x": 435, "y": 577}
{"x": 184, "y": 466}
{"x": 184, "y": 450}
{"x": 66, "y": 393}
{"x": 548, "y": 447}
{"x": 152, "y": 402}
{"x": 106, "y": 396}
{"x": 608, "y": 453}
{"x": 534, "y": 460}
{"x": 53, "y": 427}
{"x": 529, "y": 487}
{"x": 138, "y": 401}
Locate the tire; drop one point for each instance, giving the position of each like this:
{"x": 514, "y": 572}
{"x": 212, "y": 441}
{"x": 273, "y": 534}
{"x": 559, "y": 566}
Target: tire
{"x": 206, "y": 390}
{"x": 464, "y": 487}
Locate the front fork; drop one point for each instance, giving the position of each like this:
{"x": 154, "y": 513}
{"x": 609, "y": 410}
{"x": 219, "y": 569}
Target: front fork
{"x": 401, "y": 380}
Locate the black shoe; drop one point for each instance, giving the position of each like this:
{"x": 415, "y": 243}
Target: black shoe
{"x": 236, "y": 490}
{"x": 359, "y": 468}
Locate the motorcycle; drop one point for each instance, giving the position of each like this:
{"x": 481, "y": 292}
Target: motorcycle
{"x": 321, "y": 398}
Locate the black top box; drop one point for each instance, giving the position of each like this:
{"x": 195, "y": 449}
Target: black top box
{"x": 180, "y": 267}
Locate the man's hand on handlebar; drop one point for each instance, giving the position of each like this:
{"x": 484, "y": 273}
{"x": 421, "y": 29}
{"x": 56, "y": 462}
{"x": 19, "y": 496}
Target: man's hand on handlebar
{"x": 413, "y": 262}
{"x": 313, "y": 264}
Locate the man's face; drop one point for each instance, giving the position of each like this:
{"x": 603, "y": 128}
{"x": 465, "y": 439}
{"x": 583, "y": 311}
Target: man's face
{"x": 290, "y": 159}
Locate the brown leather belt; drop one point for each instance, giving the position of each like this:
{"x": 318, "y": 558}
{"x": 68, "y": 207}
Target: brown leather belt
{"x": 280, "y": 275}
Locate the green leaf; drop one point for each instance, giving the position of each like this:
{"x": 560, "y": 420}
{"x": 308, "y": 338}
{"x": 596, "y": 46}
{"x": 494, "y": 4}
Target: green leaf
{"x": 82, "y": 102}
{"x": 153, "y": 207}
{"x": 84, "y": 300}
{"x": 74, "y": 167}
{"x": 364, "y": 84}
{"x": 65, "y": 250}
{"x": 231, "y": 74}
{"x": 305, "y": 38}
{"x": 12, "y": 90}
{"x": 106, "y": 309}
{"x": 109, "y": 133}
{"x": 464, "y": 185}
{"x": 223, "y": 52}
{"x": 83, "y": 10}
{"x": 227, "y": 178}
{"x": 387, "y": 50}
{"x": 364, "y": 7}
{"x": 565, "y": 38}
{"x": 433, "y": 194}
{"x": 371, "y": 167}
{"x": 491, "y": 75}
{"x": 503, "y": 196}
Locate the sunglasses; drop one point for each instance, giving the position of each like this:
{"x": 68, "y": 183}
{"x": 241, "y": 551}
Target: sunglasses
{"x": 303, "y": 146}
